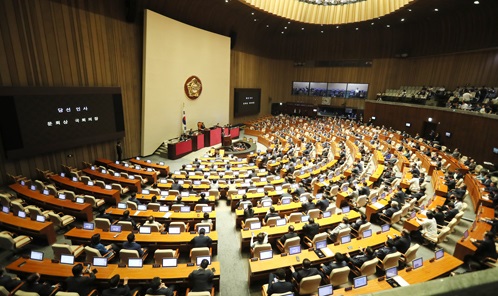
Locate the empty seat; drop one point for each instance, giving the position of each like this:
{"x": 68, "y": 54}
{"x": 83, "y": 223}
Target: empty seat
{"x": 66, "y": 249}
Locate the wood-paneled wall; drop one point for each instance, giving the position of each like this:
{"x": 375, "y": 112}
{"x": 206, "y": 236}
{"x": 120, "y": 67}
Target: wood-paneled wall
{"x": 475, "y": 135}
{"x": 72, "y": 43}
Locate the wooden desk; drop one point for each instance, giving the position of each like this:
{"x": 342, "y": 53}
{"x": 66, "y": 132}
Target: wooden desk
{"x": 155, "y": 240}
{"x": 276, "y": 232}
{"x": 437, "y": 182}
{"x": 476, "y": 192}
{"x": 59, "y": 272}
{"x": 412, "y": 224}
{"x": 170, "y": 199}
{"x": 150, "y": 176}
{"x": 260, "y": 212}
{"x": 111, "y": 196}
{"x": 163, "y": 169}
{"x": 429, "y": 271}
{"x": 50, "y": 202}
{"x": 465, "y": 247}
{"x": 28, "y": 227}
{"x": 134, "y": 184}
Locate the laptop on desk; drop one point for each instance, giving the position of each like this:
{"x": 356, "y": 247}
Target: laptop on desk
{"x": 394, "y": 279}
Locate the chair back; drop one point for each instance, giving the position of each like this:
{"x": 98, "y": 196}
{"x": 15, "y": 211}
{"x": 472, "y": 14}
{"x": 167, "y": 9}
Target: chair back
{"x": 272, "y": 221}
{"x": 100, "y": 183}
{"x": 215, "y": 193}
{"x": 369, "y": 267}
{"x": 443, "y": 234}
{"x": 459, "y": 216}
{"x": 182, "y": 225}
{"x": 7, "y": 242}
{"x": 343, "y": 232}
{"x": 124, "y": 255}
{"x": 203, "y": 293}
{"x": 361, "y": 201}
{"x": 198, "y": 207}
{"x": 314, "y": 213}
{"x": 102, "y": 223}
{"x": 404, "y": 209}
{"x": 131, "y": 205}
{"x": 258, "y": 248}
{"x": 153, "y": 206}
{"x": 249, "y": 221}
{"x": 70, "y": 195}
{"x": 176, "y": 208}
{"x": 411, "y": 253}
{"x": 55, "y": 219}
{"x": 202, "y": 224}
{"x": 396, "y": 217}
{"x": 291, "y": 242}
{"x": 309, "y": 285}
{"x": 125, "y": 225}
{"x": 17, "y": 207}
{"x": 3, "y": 291}
{"x": 363, "y": 227}
{"x": 24, "y": 293}
{"x": 319, "y": 237}
{"x": 295, "y": 217}
{"x": 62, "y": 293}
{"x": 91, "y": 253}
{"x": 160, "y": 254}
{"x": 339, "y": 276}
{"x": 391, "y": 260}
{"x": 61, "y": 249}
{"x": 196, "y": 252}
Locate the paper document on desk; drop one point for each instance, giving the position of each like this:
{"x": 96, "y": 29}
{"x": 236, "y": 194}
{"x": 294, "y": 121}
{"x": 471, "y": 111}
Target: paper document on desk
{"x": 378, "y": 205}
{"x": 167, "y": 215}
{"x": 327, "y": 252}
{"x": 136, "y": 213}
{"x": 423, "y": 212}
{"x": 401, "y": 281}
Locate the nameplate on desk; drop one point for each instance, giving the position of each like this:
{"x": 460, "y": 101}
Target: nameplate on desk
{"x": 408, "y": 269}
{"x": 164, "y": 232}
{"x": 156, "y": 265}
{"x": 246, "y": 228}
{"x": 311, "y": 249}
{"x": 283, "y": 254}
{"x": 337, "y": 243}
{"x": 190, "y": 264}
{"x": 254, "y": 259}
{"x": 380, "y": 279}
{"x": 378, "y": 232}
{"x": 192, "y": 232}
{"x": 432, "y": 260}
{"x": 121, "y": 265}
{"x": 358, "y": 238}
{"x": 348, "y": 288}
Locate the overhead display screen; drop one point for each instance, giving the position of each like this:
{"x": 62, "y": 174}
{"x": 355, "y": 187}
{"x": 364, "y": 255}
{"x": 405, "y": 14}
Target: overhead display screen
{"x": 246, "y": 101}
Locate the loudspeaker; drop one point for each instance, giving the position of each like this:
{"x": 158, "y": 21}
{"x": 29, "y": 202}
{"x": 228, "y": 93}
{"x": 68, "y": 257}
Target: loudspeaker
{"x": 130, "y": 10}
{"x": 233, "y": 39}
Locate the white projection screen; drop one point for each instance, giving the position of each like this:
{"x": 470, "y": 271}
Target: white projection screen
{"x": 174, "y": 51}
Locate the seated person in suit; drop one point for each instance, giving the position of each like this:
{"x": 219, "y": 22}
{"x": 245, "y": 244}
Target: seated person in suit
{"x": 439, "y": 216}
{"x": 400, "y": 196}
{"x": 288, "y": 235}
{"x": 206, "y": 219}
{"x": 32, "y": 285}
{"x": 79, "y": 283}
{"x": 323, "y": 203}
{"x": 358, "y": 260}
{"x": 450, "y": 213}
{"x": 133, "y": 198}
{"x": 261, "y": 239}
{"x": 271, "y": 213}
{"x": 387, "y": 249}
{"x": 418, "y": 195}
{"x": 176, "y": 186}
{"x": 360, "y": 221}
{"x": 126, "y": 217}
{"x": 201, "y": 279}
{"x": 306, "y": 271}
{"x": 96, "y": 244}
{"x": 248, "y": 212}
{"x": 485, "y": 248}
{"x": 130, "y": 244}
{"x": 340, "y": 261}
{"x": 203, "y": 199}
{"x": 280, "y": 285}
{"x": 159, "y": 288}
{"x": 311, "y": 229}
{"x": 115, "y": 288}
{"x": 308, "y": 205}
{"x": 102, "y": 214}
{"x": 7, "y": 281}
{"x": 151, "y": 221}
{"x": 403, "y": 242}
{"x": 334, "y": 232}
{"x": 202, "y": 240}
{"x": 389, "y": 212}
{"x": 243, "y": 201}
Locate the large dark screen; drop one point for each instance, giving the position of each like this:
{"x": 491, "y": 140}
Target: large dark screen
{"x": 246, "y": 101}
{"x": 36, "y": 121}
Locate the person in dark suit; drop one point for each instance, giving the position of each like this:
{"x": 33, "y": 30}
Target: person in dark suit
{"x": 450, "y": 213}
{"x": 451, "y": 183}
{"x": 159, "y": 288}
{"x": 102, "y": 214}
{"x": 130, "y": 244}
{"x": 272, "y": 213}
{"x": 323, "y": 203}
{"x": 133, "y": 198}
{"x": 485, "y": 248}
{"x": 202, "y": 240}
{"x": 288, "y": 235}
{"x": 248, "y": 212}
{"x": 360, "y": 221}
{"x": 126, "y": 217}
{"x": 32, "y": 285}
{"x": 340, "y": 261}
{"x": 311, "y": 229}
{"x": 309, "y": 205}
{"x": 400, "y": 196}
{"x": 279, "y": 286}
{"x": 103, "y": 249}
{"x": 439, "y": 216}
{"x": 7, "y": 281}
{"x": 115, "y": 289}
{"x": 306, "y": 271}
{"x": 78, "y": 282}
{"x": 202, "y": 199}
{"x": 201, "y": 279}
{"x": 176, "y": 186}
{"x": 391, "y": 210}
{"x": 358, "y": 260}
{"x": 403, "y": 242}
{"x": 388, "y": 248}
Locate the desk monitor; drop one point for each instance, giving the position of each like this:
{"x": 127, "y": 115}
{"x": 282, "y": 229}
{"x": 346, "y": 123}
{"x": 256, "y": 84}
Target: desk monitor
{"x": 295, "y": 250}
{"x": 360, "y": 281}
{"x": 326, "y": 214}
{"x": 180, "y": 182}
{"x": 383, "y": 195}
{"x": 255, "y": 225}
{"x": 321, "y": 180}
{"x": 326, "y": 290}
{"x": 163, "y": 181}
{"x": 207, "y": 209}
{"x": 117, "y": 162}
{"x": 174, "y": 230}
{"x": 303, "y": 199}
{"x": 177, "y": 173}
{"x": 35, "y": 255}
{"x": 144, "y": 230}
{"x": 344, "y": 188}
{"x": 278, "y": 188}
{"x": 241, "y": 191}
{"x": 67, "y": 259}
{"x": 117, "y": 175}
{"x": 115, "y": 228}
{"x": 62, "y": 175}
{"x": 260, "y": 190}
{"x": 267, "y": 254}
{"x": 391, "y": 272}
{"x": 305, "y": 218}
{"x": 281, "y": 222}
{"x": 345, "y": 209}
{"x": 385, "y": 227}
{"x": 286, "y": 200}
{"x": 80, "y": 200}
{"x": 75, "y": 179}
{"x": 126, "y": 165}
{"x": 439, "y": 254}
{"x": 267, "y": 204}
{"x": 88, "y": 226}
{"x": 200, "y": 258}
{"x": 416, "y": 263}
{"x": 345, "y": 239}
{"x": 413, "y": 215}
{"x": 33, "y": 187}
{"x": 45, "y": 192}
{"x": 170, "y": 262}
{"x": 163, "y": 208}
{"x": 184, "y": 194}
{"x": 164, "y": 192}
{"x": 5, "y": 209}
{"x": 206, "y": 229}
{"x": 21, "y": 214}
{"x": 142, "y": 207}
{"x": 466, "y": 234}
{"x": 367, "y": 233}
{"x": 319, "y": 196}
{"x": 99, "y": 261}
{"x": 90, "y": 183}
{"x": 263, "y": 179}
{"x": 185, "y": 209}
{"x": 104, "y": 172}
{"x": 374, "y": 200}
{"x": 321, "y": 244}
{"x": 135, "y": 262}
{"x": 121, "y": 205}
{"x": 161, "y": 163}
{"x": 108, "y": 187}
{"x": 145, "y": 191}
{"x": 197, "y": 182}
{"x": 149, "y": 169}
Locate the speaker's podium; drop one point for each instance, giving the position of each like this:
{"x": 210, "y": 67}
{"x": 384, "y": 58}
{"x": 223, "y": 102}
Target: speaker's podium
{"x": 227, "y": 141}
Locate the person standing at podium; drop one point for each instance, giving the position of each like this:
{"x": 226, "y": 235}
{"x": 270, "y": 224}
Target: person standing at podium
{"x": 119, "y": 150}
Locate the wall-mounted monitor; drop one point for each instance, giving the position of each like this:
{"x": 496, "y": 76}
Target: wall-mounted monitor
{"x": 246, "y": 101}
